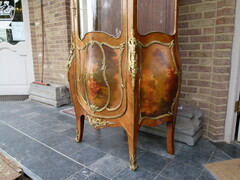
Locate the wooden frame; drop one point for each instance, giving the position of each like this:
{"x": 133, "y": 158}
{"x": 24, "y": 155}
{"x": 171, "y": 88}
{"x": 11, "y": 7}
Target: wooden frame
{"x": 131, "y": 50}
{"x": 234, "y": 85}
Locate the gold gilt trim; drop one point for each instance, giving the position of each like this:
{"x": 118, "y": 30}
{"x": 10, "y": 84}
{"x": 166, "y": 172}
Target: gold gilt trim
{"x": 178, "y": 73}
{"x": 132, "y": 43}
{"x": 133, "y": 163}
{"x": 77, "y": 139}
{"x": 96, "y": 122}
{"x": 93, "y": 107}
{"x": 70, "y": 57}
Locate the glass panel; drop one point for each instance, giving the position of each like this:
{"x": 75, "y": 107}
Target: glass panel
{"x": 11, "y": 22}
{"x": 156, "y": 16}
{"x": 100, "y": 15}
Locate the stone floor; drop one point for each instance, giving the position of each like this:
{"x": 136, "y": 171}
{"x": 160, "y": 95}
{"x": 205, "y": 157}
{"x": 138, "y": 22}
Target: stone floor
{"x": 41, "y": 139}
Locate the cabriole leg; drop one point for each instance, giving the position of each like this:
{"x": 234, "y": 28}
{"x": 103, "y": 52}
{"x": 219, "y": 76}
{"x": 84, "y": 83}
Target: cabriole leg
{"x": 170, "y": 137}
{"x": 132, "y": 147}
{"x": 80, "y": 128}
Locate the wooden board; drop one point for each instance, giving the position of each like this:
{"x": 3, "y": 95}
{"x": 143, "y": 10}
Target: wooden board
{"x": 8, "y": 170}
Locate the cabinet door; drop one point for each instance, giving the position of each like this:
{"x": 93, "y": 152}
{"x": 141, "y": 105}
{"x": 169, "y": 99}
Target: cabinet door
{"x": 101, "y": 57}
{"x": 155, "y": 27}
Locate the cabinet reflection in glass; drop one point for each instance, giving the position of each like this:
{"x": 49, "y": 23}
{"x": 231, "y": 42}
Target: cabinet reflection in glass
{"x": 104, "y": 16}
{"x": 156, "y": 16}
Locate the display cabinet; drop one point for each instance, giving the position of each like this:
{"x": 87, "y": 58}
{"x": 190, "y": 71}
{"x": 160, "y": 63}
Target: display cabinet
{"x": 124, "y": 68}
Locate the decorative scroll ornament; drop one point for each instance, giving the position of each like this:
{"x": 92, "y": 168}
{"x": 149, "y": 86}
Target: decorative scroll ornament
{"x": 77, "y": 139}
{"x": 94, "y": 108}
{"x": 70, "y": 57}
{"x": 96, "y": 123}
{"x": 133, "y": 57}
{"x": 133, "y": 163}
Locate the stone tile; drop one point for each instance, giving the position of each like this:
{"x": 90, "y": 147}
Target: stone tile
{"x": 103, "y": 133}
{"x": 59, "y": 171}
{"x": 60, "y": 127}
{"x": 155, "y": 145}
{"x": 152, "y": 162}
{"x": 41, "y": 160}
{"x": 161, "y": 178}
{"x": 106, "y": 145}
{"x": 55, "y": 140}
{"x": 90, "y": 138}
{"x": 216, "y": 159}
{"x": 87, "y": 174}
{"x": 230, "y": 149}
{"x": 64, "y": 118}
{"x": 70, "y": 133}
{"x": 120, "y": 137}
{"x": 177, "y": 170}
{"x": 202, "y": 146}
{"x": 42, "y": 118}
{"x": 237, "y": 144}
{"x": 20, "y": 123}
{"x": 139, "y": 174}
{"x": 220, "y": 154}
{"x": 70, "y": 147}
{"x": 48, "y": 123}
{"x": 37, "y": 131}
{"x": 206, "y": 175}
{"x": 41, "y": 134}
{"x": 192, "y": 158}
{"x": 30, "y": 115}
{"x": 88, "y": 155}
{"x": 32, "y": 128}
{"x": 107, "y": 132}
{"x": 88, "y": 127}
{"x": 108, "y": 166}
{"x": 123, "y": 153}
{"x": 7, "y": 117}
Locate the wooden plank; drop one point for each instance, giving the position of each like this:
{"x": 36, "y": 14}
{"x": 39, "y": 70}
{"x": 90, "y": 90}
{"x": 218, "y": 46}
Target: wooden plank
{"x": 8, "y": 170}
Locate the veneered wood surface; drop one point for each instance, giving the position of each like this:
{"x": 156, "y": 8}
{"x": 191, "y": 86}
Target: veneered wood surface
{"x": 96, "y": 73}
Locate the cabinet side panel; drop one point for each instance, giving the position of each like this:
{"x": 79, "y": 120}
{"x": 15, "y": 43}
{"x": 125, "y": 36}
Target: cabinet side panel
{"x": 159, "y": 81}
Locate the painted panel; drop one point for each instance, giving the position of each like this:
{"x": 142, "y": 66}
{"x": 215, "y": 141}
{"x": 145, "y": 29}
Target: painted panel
{"x": 114, "y": 75}
{"x": 100, "y": 81}
{"x": 96, "y": 85}
{"x": 159, "y": 81}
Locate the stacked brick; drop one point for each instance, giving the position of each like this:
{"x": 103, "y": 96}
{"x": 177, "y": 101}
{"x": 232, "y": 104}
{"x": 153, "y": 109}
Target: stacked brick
{"x": 205, "y": 37}
{"x": 57, "y": 39}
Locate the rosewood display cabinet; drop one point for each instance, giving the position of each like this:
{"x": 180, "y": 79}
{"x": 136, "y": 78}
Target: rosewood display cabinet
{"x": 124, "y": 68}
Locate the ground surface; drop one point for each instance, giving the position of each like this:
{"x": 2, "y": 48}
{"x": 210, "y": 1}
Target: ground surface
{"x": 41, "y": 139}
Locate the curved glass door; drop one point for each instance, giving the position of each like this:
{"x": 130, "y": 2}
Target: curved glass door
{"x": 100, "y": 15}
{"x": 156, "y": 16}
{"x": 102, "y": 57}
